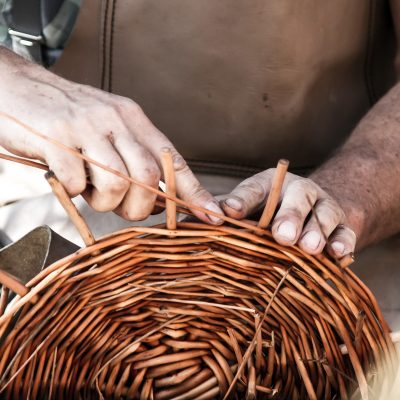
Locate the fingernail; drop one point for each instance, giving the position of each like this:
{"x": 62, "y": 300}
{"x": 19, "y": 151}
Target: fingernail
{"x": 338, "y": 248}
{"x": 234, "y": 204}
{"x": 213, "y": 207}
{"x": 287, "y": 230}
{"x": 311, "y": 240}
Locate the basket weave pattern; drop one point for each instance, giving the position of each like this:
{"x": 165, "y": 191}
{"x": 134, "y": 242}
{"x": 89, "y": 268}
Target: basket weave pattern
{"x": 153, "y": 313}
{"x": 190, "y": 311}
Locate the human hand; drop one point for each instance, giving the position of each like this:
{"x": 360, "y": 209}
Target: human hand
{"x": 108, "y": 128}
{"x": 307, "y": 214}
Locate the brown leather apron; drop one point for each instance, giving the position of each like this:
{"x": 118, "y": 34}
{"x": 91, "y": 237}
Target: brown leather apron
{"x": 237, "y": 84}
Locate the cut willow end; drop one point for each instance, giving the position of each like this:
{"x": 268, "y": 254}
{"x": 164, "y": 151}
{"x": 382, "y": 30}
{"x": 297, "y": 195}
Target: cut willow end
{"x": 347, "y": 260}
{"x": 3, "y": 299}
{"x": 170, "y": 187}
{"x": 9, "y": 282}
{"x": 134, "y": 337}
{"x": 64, "y": 199}
{"x": 274, "y": 194}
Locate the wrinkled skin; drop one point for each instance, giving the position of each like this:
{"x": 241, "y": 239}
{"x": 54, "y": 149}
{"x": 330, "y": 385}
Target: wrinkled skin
{"x": 299, "y": 198}
{"x": 106, "y": 127}
{"x": 352, "y": 196}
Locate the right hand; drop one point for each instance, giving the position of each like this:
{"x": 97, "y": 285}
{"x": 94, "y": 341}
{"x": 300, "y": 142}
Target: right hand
{"x": 108, "y": 128}
{"x": 307, "y": 215}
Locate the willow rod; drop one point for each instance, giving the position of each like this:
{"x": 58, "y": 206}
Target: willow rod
{"x": 92, "y": 161}
{"x": 75, "y": 216}
{"x": 274, "y": 194}
{"x": 170, "y": 187}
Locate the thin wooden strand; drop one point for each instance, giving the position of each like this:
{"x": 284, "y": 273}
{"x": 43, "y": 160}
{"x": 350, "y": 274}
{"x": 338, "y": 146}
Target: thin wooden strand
{"x": 90, "y": 160}
{"x": 274, "y": 194}
{"x": 170, "y": 187}
{"x": 73, "y": 213}
{"x": 24, "y": 161}
{"x": 253, "y": 342}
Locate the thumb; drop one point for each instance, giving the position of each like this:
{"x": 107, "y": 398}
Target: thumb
{"x": 249, "y": 196}
{"x": 190, "y": 189}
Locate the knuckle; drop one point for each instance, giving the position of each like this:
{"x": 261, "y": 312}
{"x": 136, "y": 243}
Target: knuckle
{"x": 196, "y": 191}
{"x": 262, "y": 177}
{"x": 147, "y": 171}
{"x": 330, "y": 203}
{"x": 330, "y": 211}
{"x": 308, "y": 182}
{"x": 152, "y": 176}
{"x": 115, "y": 186}
{"x": 120, "y": 185}
{"x": 289, "y": 213}
{"x": 74, "y": 185}
{"x": 254, "y": 187}
{"x": 104, "y": 201}
{"x": 266, "y": 174}
{"x": 128, "y": 106}
{"x": 60, "y": 125}
{"x": 132, "y": 214}
{"x": 96, "y": 108}
{"x": 190, "y": 187}
{"x": 180, "y": 165}
{"x": 258, "y": 189}
{"x": 341, "y": 215}
{"x": 304, "y": 185}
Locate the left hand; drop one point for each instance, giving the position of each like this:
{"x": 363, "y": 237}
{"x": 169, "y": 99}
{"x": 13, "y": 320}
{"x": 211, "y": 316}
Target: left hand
{"x": 307, "y": 214}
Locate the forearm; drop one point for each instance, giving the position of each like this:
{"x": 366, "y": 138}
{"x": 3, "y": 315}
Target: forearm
{"x": 24, "y": 84}
{"x": 364, "y": 175}
{"x": 13, "y": 64}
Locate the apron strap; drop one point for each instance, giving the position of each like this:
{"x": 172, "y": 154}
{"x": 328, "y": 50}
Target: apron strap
{"x": 25, "y": 28}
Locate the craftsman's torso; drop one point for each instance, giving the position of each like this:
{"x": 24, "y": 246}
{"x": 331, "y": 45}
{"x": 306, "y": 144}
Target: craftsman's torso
{"x": 239, "y": 82}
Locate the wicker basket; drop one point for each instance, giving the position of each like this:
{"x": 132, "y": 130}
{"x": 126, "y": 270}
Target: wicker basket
{"x": 192, "y": 311}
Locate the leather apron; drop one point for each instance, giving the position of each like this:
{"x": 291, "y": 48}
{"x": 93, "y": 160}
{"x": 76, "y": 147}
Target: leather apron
{"x": 238, "y": 84}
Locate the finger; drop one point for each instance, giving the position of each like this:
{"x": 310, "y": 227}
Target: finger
{"x": 107, "y": 189}
{"x": 327, "y": 214}
{"x": 188, "y": 187}
{"x": 298, "y": 199}
{"x": 342, "y": 242}
{"x": 138, "y": 202}
{"x": 248, "y": 196}
{"x": 69, "y": 170}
